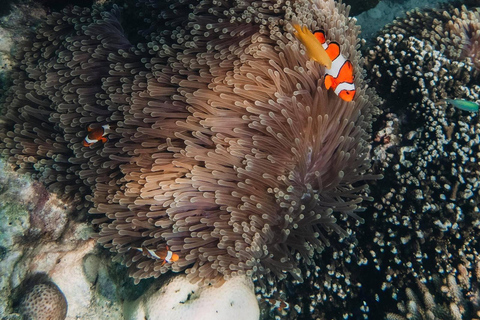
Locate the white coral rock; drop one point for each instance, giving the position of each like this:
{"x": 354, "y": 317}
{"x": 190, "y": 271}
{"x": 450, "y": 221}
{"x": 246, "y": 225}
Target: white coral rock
{"x": 179, "y": 300}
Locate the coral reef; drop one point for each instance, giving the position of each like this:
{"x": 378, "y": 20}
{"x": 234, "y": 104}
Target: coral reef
{"x": 373, "y": 20}
{"x": 425, "y": 220}
{"x": 30, "y": 244}
{"x": 456, "y": 296}
{"x": 225, "y": 146}
{"x": 223, "y": 142}
{"x": 42, "y": 299}
{"x": 454, "y": 31}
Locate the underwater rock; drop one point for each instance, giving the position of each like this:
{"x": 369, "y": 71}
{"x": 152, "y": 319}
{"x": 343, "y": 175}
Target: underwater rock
{"x": 180, "y": 299}
{"x": 14, "y": 223}
{"x": 42, "y": 300}
{"x": 58, "y": 253}
{"x": 361, "y": 6}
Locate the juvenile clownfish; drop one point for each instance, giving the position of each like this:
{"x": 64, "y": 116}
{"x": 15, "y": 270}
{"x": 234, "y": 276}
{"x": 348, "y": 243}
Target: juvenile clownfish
{"x": 95, "y": 135}
{"x": 462, "y": 104}
{"x": 339, "y": 72}
{"x": 278, "y": 304}
{"x": 162, "y": 254}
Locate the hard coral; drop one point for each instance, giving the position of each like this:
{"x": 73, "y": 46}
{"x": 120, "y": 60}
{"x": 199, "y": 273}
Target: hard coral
{"x": 224, "y": 143}
{"x": 42, "y": 300}
{"x": 453, "y": 30}
{"x": 425, "y": 218}
{"x": 456, "y": 296}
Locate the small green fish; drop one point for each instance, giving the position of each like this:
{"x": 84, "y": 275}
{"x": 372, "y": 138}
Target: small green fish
{"x": 463, "y": 104}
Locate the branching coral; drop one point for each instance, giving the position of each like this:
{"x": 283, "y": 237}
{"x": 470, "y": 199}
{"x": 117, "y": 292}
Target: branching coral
{"x": 456, "y": 297}
{"x": 224, "y": 143}
{"x": 425, "y": 217}
{"x": 455, "y": 31}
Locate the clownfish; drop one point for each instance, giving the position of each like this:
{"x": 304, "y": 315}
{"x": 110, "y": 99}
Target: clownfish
{"x": 95, "y": 135}
{"x": 339, "y": 71}
{"x": 278, "y": 304}
{"x": 162, "y": 254}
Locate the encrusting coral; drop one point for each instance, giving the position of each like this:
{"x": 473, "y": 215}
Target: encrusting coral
{"x": 223, "y": 143}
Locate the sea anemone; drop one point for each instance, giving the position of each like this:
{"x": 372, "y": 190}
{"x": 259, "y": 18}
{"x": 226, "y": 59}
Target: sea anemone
{"x": 224, "y": 144}
{"x": 465, "y": 27}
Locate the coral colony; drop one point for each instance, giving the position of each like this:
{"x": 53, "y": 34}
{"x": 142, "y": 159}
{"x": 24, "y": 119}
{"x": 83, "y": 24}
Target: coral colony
{"x": 41, "y": 299}
{"x": 427, "y": 212}
{"x": 207, "y": 141}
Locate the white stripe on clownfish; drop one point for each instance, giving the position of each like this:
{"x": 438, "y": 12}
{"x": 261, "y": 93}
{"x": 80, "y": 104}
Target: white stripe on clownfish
{"x": 344, "y": 86}
{"x": 169, "y": 256}
{"x": 90, "y": 141}
{"x": 337, "y": 63}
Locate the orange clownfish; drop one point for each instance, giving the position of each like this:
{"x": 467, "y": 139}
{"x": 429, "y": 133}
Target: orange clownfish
{"x": 95, "y": 135}
{"x": 338, "y": 69}
{"x": 162, "y": 254}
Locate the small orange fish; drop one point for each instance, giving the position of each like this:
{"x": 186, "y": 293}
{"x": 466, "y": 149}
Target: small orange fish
{"x": 340, "y": 76}
{"x": 279, "y": 304}
{"x": 95, "y": 135}
{"x": 162, "y": 254}
{"x": 339, "y": 72}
